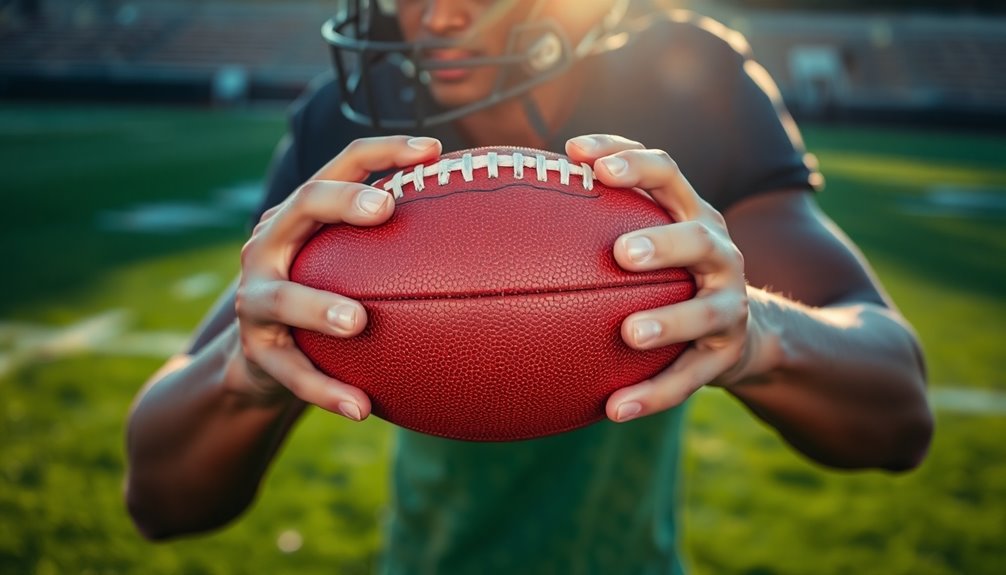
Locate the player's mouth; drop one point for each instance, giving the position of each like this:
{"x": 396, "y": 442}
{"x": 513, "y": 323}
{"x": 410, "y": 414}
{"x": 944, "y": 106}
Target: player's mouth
{"x": 439, "y": 64}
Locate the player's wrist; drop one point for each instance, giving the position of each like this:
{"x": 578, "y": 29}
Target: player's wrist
{"x": 239, "y": 381}
{"x": 240, "y": 385}
{"x": 764, "y": 349}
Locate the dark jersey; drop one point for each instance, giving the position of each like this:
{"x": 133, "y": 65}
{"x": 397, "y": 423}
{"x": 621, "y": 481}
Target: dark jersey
{"x": 600, "y": 499}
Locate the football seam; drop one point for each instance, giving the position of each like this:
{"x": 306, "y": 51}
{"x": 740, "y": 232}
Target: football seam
{"x": 485, "y": 295}
{"x": 521, "y": 185}
{"x": 491, "y": 162}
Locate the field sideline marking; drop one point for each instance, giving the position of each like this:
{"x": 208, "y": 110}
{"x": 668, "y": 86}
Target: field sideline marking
{"x": 227, "y": 207}
{"x": 968, "y": 400}
{"x": 957, "y": 201}
{"x": 106, "y": 333}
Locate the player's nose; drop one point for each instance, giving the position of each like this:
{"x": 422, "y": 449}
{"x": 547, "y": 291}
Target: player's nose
{"x": 446, "y": 18}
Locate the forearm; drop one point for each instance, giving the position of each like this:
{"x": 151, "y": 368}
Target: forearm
{"x": 844, "y": 384}
{"x": 198, "y": 449}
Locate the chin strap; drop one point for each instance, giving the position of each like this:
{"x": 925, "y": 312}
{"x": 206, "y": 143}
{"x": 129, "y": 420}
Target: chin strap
{"x": 534, "y": 117}
{"x": 547, "y": 52}
{"x": 543, "y": 54}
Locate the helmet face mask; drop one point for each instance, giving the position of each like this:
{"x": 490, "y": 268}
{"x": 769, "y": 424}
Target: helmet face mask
{"x": 368, "y": 51}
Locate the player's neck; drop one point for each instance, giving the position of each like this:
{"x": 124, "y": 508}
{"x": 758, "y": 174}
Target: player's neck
{"x": 508, "y": 124}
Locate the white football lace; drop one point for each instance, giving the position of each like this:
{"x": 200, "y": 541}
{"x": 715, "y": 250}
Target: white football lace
{"x": 491, "y": 162}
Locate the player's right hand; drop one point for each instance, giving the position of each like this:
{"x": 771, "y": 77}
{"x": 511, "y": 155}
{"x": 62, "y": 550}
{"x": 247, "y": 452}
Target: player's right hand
{"x": 267, "y": 363}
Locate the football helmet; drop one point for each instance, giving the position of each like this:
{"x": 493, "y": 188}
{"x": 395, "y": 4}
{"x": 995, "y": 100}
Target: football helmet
{"x": 383, "y": 79}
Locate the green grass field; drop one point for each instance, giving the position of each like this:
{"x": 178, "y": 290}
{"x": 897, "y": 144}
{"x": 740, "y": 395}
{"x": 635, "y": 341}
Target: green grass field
{"x": 86, "y": 312}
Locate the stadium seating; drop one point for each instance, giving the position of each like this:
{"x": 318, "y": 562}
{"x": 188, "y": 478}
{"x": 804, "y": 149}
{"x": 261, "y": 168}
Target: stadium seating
{"x": 908, "y": 61}
{"x": 163, "y": 42}
{"x": 880, "y": 62}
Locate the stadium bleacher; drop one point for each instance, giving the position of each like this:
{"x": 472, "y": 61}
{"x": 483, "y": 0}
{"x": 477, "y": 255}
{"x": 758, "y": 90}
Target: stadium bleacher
{"x": 917, "y": 62}
{"x": 826, "y": 64}
{"x": 143, "y": 49}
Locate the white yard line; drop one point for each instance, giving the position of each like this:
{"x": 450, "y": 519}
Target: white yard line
{"x": 197, "y": 286}
{"x": 224, "y": 208}
{"x": 106, "y": 333}
{"x": 968, "y": 400}
{"x": 957, "y": 201}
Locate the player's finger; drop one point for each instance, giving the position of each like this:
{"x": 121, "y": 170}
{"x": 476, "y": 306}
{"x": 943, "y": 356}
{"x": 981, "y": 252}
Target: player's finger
{"x": 685, "y": 321}
{"x": 655, "y": 172}
{"x": 362, "y": 157}
{"x": 590, "y": 147}
{"x": 693, "y": 244}
{"x": 263, "y": 221}
{"x": 695, "y": 368}
{"x": 325, "y": 202}
{"x": 291, "y": 368}
{"x": 295, "y": 305}
{"x": 266, "y": 215}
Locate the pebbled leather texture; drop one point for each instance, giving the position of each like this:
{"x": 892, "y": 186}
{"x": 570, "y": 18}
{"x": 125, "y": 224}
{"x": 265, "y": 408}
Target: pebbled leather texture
{"x": 494, "y": 305}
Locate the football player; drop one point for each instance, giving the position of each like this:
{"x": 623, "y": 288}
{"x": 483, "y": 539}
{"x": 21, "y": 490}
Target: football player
{"x": 788, "y": 319}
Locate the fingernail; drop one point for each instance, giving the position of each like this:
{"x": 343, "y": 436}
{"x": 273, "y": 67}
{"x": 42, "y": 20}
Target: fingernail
{"x": 645, "y": 331}
{"x": 350, "y": 410}
{"x": 639, "y": 248}
{"x": 616, "y": 166}
{"x": 585, "y": 143}
{"x": 421, "y": 143}
{"x": 342, "y": 316}
{"x": 372, "y": 201}
{"x": 627, "y": 411}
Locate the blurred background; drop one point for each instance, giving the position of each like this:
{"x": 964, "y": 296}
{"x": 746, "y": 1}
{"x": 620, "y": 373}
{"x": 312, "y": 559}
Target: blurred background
{"x": 134, "y": 136}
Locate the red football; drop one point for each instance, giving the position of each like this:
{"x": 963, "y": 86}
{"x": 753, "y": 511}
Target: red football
{"x": 494, "y": 300}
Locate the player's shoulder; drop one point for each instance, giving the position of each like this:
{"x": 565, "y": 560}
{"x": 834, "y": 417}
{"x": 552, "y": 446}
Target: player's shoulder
{"x": 319, "y": 128}
{"x": 699, "y": 34}
{"x": 675, "y": 57}
{"x": 318, "y": 104}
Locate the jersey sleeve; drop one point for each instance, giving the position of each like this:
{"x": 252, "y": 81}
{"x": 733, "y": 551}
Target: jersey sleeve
{"x": 764, "y": 145}
{"x": 317, "y": 133}
{"x": 288, "y": 168}
{"x": 282, "y": 178}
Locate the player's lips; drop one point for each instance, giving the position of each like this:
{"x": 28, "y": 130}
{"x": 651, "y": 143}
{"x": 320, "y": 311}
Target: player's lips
{"x": 441, "y": 61}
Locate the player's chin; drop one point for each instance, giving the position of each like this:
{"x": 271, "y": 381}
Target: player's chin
{"x": 461, "y": 92}
{"x": 453, "y": 98}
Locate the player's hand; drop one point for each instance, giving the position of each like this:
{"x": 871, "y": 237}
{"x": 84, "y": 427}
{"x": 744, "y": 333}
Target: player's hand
{"x": 716, "y": 319}
{"x": 267, "y": 363}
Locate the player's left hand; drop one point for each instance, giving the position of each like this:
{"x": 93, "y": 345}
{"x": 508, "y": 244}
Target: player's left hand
{"x": 716, "y": 319}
